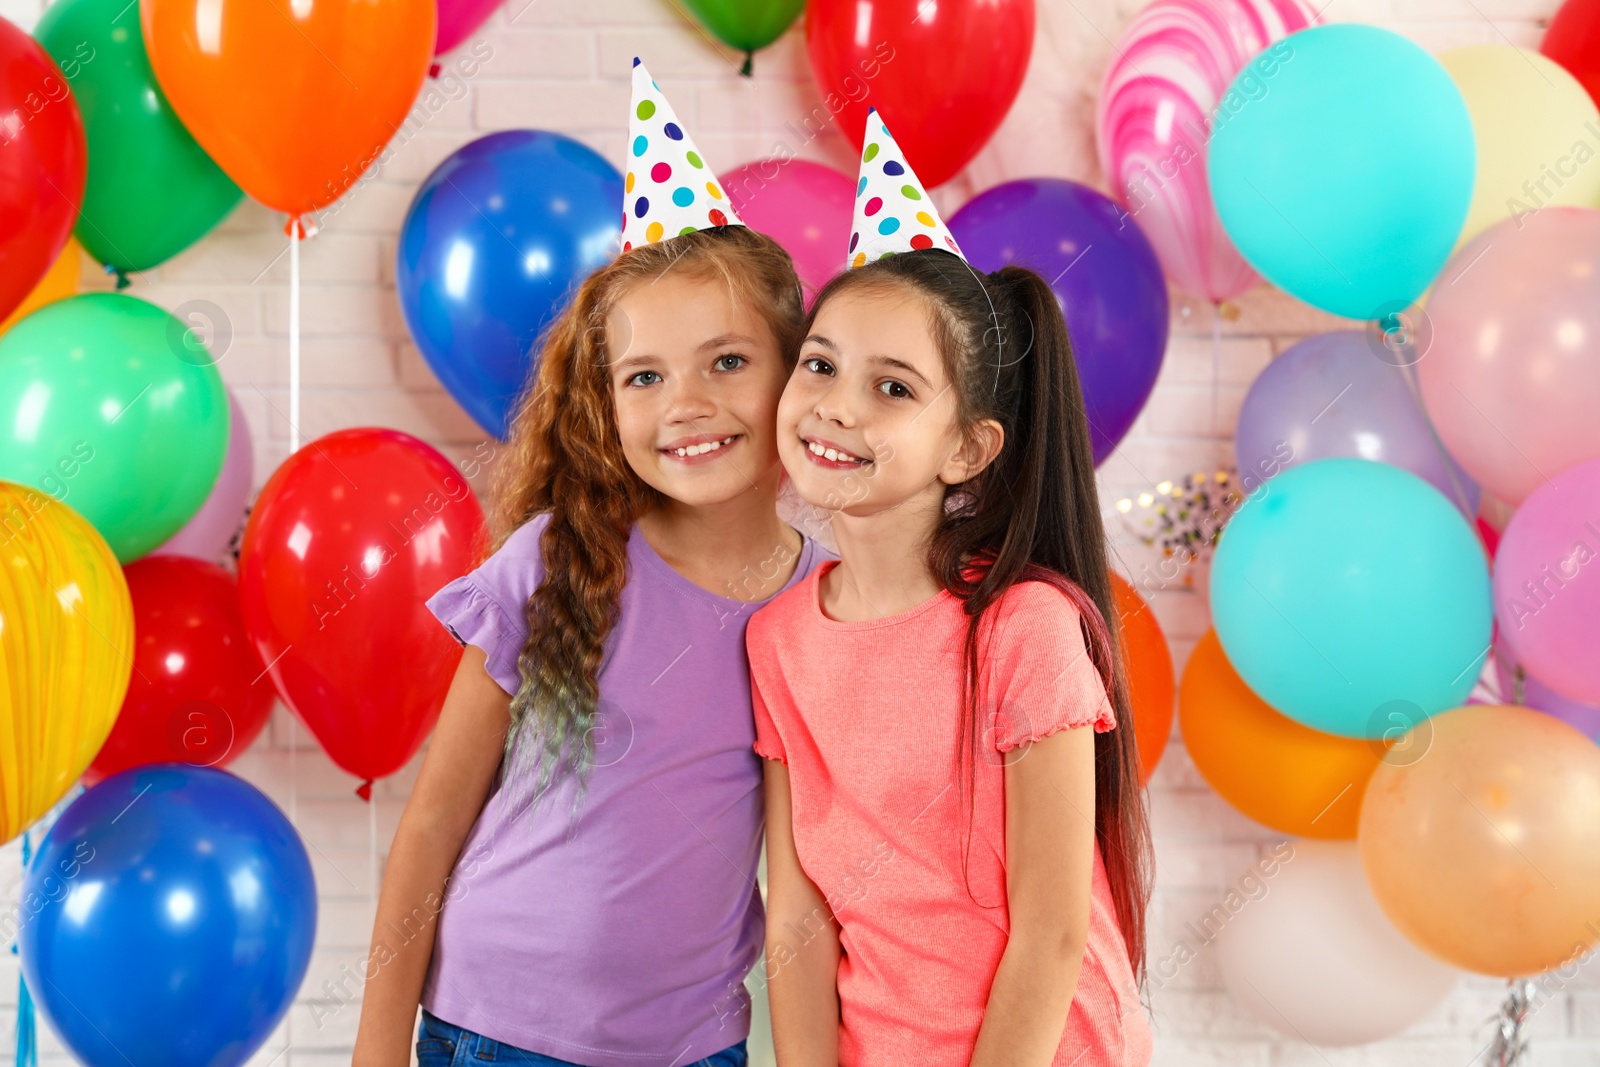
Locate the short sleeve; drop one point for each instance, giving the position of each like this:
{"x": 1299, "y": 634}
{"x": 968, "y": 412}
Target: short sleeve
{"x": 769, "y": 744}
{"x": 1042, "y": 678}
{"x": 486, "y": 607}
{"x": 474, "y": 618}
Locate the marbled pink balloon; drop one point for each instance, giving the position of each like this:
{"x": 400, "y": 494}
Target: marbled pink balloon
{"x": 1153, "y": 123}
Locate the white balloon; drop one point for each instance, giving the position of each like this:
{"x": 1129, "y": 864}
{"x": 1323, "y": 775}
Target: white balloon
{"x": 1316, "y": 958}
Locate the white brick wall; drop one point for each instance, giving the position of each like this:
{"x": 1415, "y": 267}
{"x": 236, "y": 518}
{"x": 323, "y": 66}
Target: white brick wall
{"x": 563, "y": 65}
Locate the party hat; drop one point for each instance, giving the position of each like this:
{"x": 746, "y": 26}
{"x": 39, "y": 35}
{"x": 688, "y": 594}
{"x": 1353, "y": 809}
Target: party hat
{"x": 669, "y": 190}
{"x": 893, "y": 212}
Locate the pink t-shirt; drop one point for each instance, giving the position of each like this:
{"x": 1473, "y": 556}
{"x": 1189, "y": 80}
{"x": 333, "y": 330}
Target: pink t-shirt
{"x": 866, "y": 716}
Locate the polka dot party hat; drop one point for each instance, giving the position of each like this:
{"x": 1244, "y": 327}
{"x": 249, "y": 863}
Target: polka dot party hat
{"x": 893, "y": 212}
{"x": 669, "y": 189}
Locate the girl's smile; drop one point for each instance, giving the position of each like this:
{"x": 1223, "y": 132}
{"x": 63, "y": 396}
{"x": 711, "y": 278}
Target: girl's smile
{"x": 701, "y": 447}
{"x": 825, "y": 453}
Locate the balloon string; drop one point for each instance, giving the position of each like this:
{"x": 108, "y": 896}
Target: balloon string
{"x": 27, "y": 1052}
{"x": 1216, "y": 363}
{"x": 294, "y": 335}
{"x": 372, "y": 858}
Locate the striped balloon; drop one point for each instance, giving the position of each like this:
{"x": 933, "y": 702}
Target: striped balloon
{"x": 66, "y": 650}
{"x": 1153, "y": 122}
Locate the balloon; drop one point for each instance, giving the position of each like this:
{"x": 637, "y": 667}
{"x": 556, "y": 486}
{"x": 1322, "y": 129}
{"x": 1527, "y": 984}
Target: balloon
{"x": 1307, "y": 183}
{"x": 198, "y": 694}
{"x": 209, "y": 534}
{"x": 347, "y": 539}
{"x": 1153, "y": 124}
{"x": 112, "y": 405}
{"x": 293, "y": 98}
{"x": 804, "y": 206}
{"x": 179, "y": 915}
{"x": 1573, "y": 40}
{"x": 58, "y": 283}
{"x": 1148, "y": 663}
{"x": 1486, "y": 850}
{"x": 1352, "y": 597}
{"x": 493, "y": 244}
{"x": 1314, "y": 957}
{"x": 1517, "y": 686}
{"x": 1512, "y": 377}
{"x": 746, "y": 24}
{"x": 66, "y": 639}
{"x": 151, "y": 190}
{"x": 458, "y": 20}
{"x": 1528, "y": 117}
{"x": 1547, "y": 583}
{"x": 1336, "y": 394}
{"x": 42, "y": 167}
{"x": 1115, "y": 300}
{"x": 1290, "y": 777}
{"x": 941, "y": 75}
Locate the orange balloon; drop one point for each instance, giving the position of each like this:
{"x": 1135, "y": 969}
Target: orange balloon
{"x": 1150, "y": 679}
{"x": 1284, "y": 775}
{"x": 294, "y": 99}
{"x": 58, "y": 283}
{"x": 1483, "y": 844}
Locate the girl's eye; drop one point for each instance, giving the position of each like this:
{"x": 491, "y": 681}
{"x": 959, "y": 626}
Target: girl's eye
{"x": 894, "y": 389}
{"x": 818, "y": 365}
{"x": 644, "y": 377}
{"x": 730, "y": 362}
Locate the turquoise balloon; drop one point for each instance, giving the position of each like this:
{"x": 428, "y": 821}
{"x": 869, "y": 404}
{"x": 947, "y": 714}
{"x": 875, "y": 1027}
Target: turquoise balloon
{"x": 1352, "y": 597}
{"x": 112, "y": 406}
{"x": 1341, "y": 163}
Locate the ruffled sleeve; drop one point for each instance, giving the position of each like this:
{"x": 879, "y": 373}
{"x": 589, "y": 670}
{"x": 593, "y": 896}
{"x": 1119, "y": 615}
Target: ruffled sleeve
{"x": 1042, "y": 677}
{"x": 487, "y": 607}
{"x": 474, "y": 618}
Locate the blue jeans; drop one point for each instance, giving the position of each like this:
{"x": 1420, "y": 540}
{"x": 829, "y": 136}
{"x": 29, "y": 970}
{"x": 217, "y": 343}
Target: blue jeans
{"x": 442, "y": 1044}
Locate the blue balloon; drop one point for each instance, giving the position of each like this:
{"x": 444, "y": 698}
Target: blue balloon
{"x": 1339, "y": 394}
{"x": 167, "y": 919}
{"x": 1105, "y": 275}
{"x": 1352, "y": 597}
{"x": 491, "y": 248}
{"x": 1342, "y": 163}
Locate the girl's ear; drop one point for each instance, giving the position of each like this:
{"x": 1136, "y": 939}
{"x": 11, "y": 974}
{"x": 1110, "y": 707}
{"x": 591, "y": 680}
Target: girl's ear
{"x": 982, "y": 445}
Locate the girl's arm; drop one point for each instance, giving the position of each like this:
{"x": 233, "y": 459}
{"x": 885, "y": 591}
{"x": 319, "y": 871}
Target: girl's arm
{"x": 1049, "y": 788}
{"x": 802, "y": 943}
{"x": 451, "y": 788}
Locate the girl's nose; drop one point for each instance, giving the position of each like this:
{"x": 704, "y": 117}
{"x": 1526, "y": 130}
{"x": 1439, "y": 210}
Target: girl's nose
{"x": 831, "y": 407}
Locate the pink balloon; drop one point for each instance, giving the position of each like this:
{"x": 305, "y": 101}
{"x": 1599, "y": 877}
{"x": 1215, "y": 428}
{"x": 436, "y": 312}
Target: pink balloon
{"x": 208, "y": 534}
{"x": 457, "y": 20}
{"x": 1512, "y": 375}
{"x": 804, "y": 206}
{"x": 1547, "y": 583}
{"x": 1153, "y": 125}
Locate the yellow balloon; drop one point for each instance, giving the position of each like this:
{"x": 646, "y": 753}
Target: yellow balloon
{"x": 59, "y": 282}
{"x": 66, "y": 650}
{"x": 1538, "y": 133}
{"x": 1482, "y": 841}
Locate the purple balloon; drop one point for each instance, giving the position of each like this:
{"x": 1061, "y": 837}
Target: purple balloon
{"x": 1582, "y": 717}
{"x": 207, "y": 535}
{"x": 1105, "y": 275}
{"x": 1333, "y": 396}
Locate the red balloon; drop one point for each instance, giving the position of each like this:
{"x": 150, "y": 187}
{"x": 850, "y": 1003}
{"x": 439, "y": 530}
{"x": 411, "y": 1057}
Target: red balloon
{"x": 1573, "y": 40}
{"x": 198, "y": 693}
{"x": 43, "y": 161}
{"x": 942, "y": 75}
{"x": 347, "y": 540}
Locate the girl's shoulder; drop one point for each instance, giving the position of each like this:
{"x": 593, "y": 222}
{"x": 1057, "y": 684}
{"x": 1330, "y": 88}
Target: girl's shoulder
{"x": 514, "y": 570}
{"x": 790, "y": 608}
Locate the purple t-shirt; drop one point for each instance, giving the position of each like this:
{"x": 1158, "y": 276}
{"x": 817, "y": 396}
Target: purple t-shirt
{"x": 621, "y": 940}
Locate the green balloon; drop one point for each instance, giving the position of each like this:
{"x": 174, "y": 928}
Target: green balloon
{"x": 152, "y": 191}
{"x": 113, "y": 406}
{"x": 747, "y": 24}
